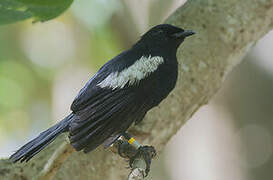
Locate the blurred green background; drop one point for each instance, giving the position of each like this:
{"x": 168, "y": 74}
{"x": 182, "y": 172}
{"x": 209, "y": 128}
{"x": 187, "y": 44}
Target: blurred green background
{"x": 44, "y": 65}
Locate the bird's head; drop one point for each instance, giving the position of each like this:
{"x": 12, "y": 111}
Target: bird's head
{"x": 165, "y": 36}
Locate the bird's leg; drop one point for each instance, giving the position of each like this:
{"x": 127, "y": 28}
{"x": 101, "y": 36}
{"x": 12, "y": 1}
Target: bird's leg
{"x": 131, "y": 140}
{"x": 136, "y": 152}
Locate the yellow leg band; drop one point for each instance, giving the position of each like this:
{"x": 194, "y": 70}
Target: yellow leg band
{"x": 131, "y": 140}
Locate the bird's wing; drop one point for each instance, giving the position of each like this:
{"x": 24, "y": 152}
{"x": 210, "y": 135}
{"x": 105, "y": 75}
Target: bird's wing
{"x": 105, "y": 117}
{"x": 126, "y": 70}
{"x": 92, "y": 90}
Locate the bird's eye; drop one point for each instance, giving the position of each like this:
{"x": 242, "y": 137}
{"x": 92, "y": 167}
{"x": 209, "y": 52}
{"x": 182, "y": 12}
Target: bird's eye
{"x": 159, "y": 32}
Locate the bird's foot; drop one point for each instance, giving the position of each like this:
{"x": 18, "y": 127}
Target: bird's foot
{"x": 146, "y": 153}
{"x": 140, "y": 157}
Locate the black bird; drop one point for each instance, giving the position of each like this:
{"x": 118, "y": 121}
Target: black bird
{"x": 120, "y": 93}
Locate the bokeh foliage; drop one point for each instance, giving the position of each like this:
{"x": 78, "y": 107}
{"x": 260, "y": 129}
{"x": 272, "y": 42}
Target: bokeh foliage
{"x": 39, "y": 10}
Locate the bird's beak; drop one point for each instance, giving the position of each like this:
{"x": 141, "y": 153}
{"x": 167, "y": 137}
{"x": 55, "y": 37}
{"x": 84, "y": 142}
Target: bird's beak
{"x": 184, "y": 34}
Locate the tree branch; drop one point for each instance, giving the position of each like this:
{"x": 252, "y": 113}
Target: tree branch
{"x": 55, "y": 162}
{"x": 226, "y": 30}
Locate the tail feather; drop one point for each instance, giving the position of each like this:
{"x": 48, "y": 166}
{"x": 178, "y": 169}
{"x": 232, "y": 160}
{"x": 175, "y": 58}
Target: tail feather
{"x": 33, "y": 147}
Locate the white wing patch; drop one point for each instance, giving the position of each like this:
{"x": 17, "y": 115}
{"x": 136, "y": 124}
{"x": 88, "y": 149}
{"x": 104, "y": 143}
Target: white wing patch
{"x": 133, "y": 74}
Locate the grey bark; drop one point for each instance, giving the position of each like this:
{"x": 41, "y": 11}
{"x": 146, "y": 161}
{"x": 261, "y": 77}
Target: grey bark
{"x": 226, "y": 31}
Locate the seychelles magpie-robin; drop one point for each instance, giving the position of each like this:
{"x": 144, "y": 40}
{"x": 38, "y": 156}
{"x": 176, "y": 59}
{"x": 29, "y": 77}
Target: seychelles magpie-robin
{"x": 119, "y": 94}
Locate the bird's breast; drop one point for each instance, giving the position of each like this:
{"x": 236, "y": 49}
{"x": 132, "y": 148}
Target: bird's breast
{"x": 160, "y": 83}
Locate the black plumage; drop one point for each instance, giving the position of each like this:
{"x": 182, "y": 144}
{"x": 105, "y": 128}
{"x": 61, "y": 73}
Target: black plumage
{"x": 119, "y": 94}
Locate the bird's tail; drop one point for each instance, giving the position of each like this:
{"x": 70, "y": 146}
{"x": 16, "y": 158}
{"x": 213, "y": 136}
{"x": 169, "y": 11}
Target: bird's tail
{"x": 33, "y": 147}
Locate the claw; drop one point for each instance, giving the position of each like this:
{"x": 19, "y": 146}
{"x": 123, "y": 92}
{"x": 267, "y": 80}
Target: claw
{"x": 147, "y": 153}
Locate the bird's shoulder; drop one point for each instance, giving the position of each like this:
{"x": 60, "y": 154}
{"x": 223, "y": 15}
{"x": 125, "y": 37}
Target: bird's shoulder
{"x": 127, "y": 68}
